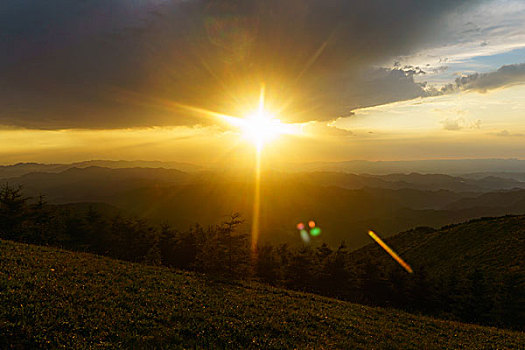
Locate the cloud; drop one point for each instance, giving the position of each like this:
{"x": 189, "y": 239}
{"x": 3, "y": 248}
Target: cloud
{"x": 504, "y": 76}
{"x": 324, "y": 129}
{"x": 452, "y": 124}
{"x": 65, "y": 64}
{"x": 383, "y": 85}
{"x": 485, "y": 29}
{"x": 482, "y": 82}
{"x": 506, "y": 133}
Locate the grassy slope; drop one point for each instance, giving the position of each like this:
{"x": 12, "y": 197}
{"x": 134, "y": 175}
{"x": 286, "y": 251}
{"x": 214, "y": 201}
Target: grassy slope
{"x": 54, "y": 297}
{"x": 491, "y": 244}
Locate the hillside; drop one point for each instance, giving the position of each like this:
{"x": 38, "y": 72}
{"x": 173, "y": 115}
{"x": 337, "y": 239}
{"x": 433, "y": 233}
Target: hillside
{"x": 494, "y": 245}
{"x": 54, "y": 298}
{"x": 509, "y": 201}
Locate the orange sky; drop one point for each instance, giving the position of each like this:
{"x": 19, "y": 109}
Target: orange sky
{"x": 372, "y": 81}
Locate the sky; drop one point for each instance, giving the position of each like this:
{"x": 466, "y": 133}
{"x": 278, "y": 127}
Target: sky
{"x": 153, "y": 79}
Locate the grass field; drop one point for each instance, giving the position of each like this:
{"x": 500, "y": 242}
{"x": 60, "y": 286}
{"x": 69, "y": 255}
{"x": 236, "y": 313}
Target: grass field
{"x": 54, "y": 298}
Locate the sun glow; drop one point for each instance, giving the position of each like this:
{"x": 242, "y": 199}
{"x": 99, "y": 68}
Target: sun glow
{"x": 262, "y": 127}
{"x": 259, "y": 127}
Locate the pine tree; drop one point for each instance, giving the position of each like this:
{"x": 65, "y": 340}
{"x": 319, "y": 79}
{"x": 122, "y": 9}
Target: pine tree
{"x": 96, "y": 231}
{"x": 40, "y": 228}
{"x": 373, "y": 284}
{"x": 299, "y": 272}
{"x": 224, "y": 251}
{"x": 13, "y": 211}
{"x": 478, "y": 303}
{"x": 509, "y": 308}
{"x": 267, "y": 266}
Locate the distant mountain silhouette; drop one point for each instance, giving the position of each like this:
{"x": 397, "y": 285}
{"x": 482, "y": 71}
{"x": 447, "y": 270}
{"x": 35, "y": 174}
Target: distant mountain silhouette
{"x": 344, "y": 205}
{"x": 495, "y": 174}
{"x": 512, "y": 202}
{"x": 8, "y": 171}
{"x": 117, "y": 164}
{"x": 467, "y": 168}
{"x": 430, "y": 166}
{"x": 93, "y": 183}
{"x": 425, "y": 182}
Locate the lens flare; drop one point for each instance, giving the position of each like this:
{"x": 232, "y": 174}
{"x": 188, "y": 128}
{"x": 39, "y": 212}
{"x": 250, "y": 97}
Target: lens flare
{"x": 256, "y": 202}
{"x": 316, "y": 231}
{"x": 308, "y": 232}
{"x": 259, "y": 126}
{"x": 390, "y": 251}
{"x": 305, "y": 236}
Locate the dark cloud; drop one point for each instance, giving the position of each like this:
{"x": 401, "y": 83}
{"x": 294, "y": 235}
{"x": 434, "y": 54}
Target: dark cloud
{"x": 384, "y": 85}
{"x": 119, "y": 63}
{"x": 482, "y": 82}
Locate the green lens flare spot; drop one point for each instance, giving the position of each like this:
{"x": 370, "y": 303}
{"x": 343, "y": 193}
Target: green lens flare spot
{"x": 316, "y": 231}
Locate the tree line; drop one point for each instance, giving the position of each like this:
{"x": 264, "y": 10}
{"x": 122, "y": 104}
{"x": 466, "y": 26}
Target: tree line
{"x": 223, "y": 250}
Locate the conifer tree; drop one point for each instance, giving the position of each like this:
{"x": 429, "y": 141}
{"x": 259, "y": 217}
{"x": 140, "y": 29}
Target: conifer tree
{"x": 13, "y": 211}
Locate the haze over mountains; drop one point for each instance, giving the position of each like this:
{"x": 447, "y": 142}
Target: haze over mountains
{"x": 345, "y": 205}
{"x": 19, "y": 169}
{"x": 429, "y": 166}
{"x": 472, "y": 168}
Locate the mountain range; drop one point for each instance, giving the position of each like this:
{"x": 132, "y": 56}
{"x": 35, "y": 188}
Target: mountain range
{"x": 344, "y": 205}
{"x": 471, "y": 168}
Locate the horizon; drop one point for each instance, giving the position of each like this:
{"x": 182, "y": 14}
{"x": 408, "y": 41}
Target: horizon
{"x": 491, "y": 167}
{"x": 248, "y": 165}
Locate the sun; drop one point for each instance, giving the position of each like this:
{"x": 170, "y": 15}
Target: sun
{"x": 261, "y": 127}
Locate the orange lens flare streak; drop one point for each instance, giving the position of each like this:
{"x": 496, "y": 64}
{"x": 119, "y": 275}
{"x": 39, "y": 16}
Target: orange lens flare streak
{"x": 257, "y": 189}
{"x": 256, "y": 201}
{"x": 390, "y": 251}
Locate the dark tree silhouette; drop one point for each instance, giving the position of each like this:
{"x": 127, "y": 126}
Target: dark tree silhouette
{"x": 13, "y": 211}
